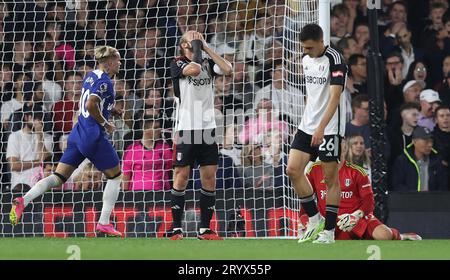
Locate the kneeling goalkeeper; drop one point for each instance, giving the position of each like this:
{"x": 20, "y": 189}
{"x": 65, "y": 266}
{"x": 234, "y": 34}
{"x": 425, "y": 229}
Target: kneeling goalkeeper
{"x": 355, "y": 216}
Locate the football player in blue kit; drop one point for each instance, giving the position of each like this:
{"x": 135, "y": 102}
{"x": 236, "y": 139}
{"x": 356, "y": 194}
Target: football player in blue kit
{"x": 88, "y": 139}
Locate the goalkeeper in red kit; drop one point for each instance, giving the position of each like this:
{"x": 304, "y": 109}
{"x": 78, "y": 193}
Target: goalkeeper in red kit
{"x": 355, "y": 216}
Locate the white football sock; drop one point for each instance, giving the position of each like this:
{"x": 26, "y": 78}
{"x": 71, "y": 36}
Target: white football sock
{"x": 41, "y": 187}
{"x": 110, "y": 196}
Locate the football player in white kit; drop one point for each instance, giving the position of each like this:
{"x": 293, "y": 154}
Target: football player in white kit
{"x": 193, "y": 78}
{"x": 320, "y": 131}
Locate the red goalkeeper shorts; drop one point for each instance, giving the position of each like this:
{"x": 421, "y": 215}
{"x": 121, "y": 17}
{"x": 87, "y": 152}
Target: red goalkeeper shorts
{"x": 363, "y": 230}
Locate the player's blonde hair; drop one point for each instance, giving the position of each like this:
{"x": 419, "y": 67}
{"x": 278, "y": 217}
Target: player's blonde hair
{"x": 104, "y": 52}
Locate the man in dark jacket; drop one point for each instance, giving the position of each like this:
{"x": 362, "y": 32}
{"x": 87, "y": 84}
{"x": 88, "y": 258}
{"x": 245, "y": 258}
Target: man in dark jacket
{"x": 441, "y": 134}
{"x": 420, "y": 168}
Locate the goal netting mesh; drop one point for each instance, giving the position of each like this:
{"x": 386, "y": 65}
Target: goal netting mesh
{"x": 46, "y": 49}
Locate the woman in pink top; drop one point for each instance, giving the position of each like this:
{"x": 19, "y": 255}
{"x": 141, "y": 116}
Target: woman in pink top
{"x": 148, "y": 162}
{"x": 255, "y": 129}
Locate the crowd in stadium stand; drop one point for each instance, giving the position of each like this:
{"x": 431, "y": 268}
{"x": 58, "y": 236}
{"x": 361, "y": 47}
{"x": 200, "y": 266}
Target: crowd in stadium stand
{"x": 46, "y": 48}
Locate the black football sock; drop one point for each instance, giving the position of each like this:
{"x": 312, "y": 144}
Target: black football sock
{"x": 177, "y": 205}
{"x": 309, "y": 205}
{"x": 207, "y": 203}
{"x": 331, "y": 216}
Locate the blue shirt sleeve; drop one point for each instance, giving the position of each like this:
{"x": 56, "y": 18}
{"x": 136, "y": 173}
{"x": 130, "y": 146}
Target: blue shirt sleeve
{"x": 102, "y": 88}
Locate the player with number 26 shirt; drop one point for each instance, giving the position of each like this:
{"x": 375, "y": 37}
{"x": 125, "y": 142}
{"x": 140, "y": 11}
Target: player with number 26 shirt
{"x": 320, "y": 131}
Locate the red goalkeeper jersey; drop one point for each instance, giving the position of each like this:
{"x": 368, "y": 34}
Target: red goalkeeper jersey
{"x": 356, "y": 189}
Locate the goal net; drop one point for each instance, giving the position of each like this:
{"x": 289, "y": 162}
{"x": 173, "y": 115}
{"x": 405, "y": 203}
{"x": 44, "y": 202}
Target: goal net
{"x": 46, "y": 49}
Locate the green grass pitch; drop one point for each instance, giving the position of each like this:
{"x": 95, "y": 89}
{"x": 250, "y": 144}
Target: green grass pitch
{"x": 230, "y": 249}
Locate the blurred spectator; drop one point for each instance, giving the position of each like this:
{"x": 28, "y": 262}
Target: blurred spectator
{"x": 48, "y": 167}
{"x": 429, "y": 101}
{"x": 275, "y": 156}
{"x": 265, "y": 121}
{"x": 22, "y": 55}
{"x": 87, "y": 177}
{"x": 344, "y": 22}
{"x": 412, "y": 90}
{"x": 444, "y": 92}
{"x": 36, "y": 103}
{"x": 197, "y": 23}
{"x": 418, "y": 70}
{"x": 63, "y": 111}
{"x": 258, "y": 45}
{"x": 156, "y": 105}
{"x": 361, "y": 35}
{"x": 359, "y": 125}
{"x": 388, "y": 39}
{"x": 223, "y": 88}
{"x": 257, "y": 174}
{"x": 445, "y": 72}
{"x": 420, "y": 167}
{"x": 146, "y": 54}
{"x": 122, "y": 127}
{"x": 435, "y": 51}
{"x": 357, "y": 153}
{"x": 441, "y": 133}
{"x": 86, "y": 68}
{"x": 231, "y": 35}
{"x": 227, "y": 175}
{"x": 435, "y": 16}
{"x": 16, "y": 103}
{"x": 400, "y": 137}
{"x": 152, "y": 11}
{"x": 242, "y": 87}
{"x": 348, "y": 47}
{"x": 285, "y": 98}
{"x": 407, "y": 50}
{"x": 52, "y": 91}
{"x": 6, "y": 82}
{"x": 393, "y": 85}
{"x": 148, "y": 162}
{"x": 411, "y": 94}
{"x": 180, "y": 11}
{"x": 229, "y": 147}
{"x": 26, "y": 149}
{"x": 398, "y": 11}
{"x": 356, "y": 82}
{"x": 273, "y": 53}
{"x": 145, "y": 81}
{"x": 78, "y": 31}
{"x": 356, "y": 14}
{"x": 6, "y": 25}
{"x": 127, "y": 24}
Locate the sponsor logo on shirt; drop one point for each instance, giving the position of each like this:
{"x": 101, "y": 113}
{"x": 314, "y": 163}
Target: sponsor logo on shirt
{"x": 347, "y": 182}
{"x": 316, "y": 80}
{"x": 199, "y": 82}
{"x": 90, "y": 81}
{"x": 336, "y": 74}
{"x": 180, "y": 63}
{"x": 110, "y": 106}
{"x": 323, "y": 194}
{"x": 103, "y": 87}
